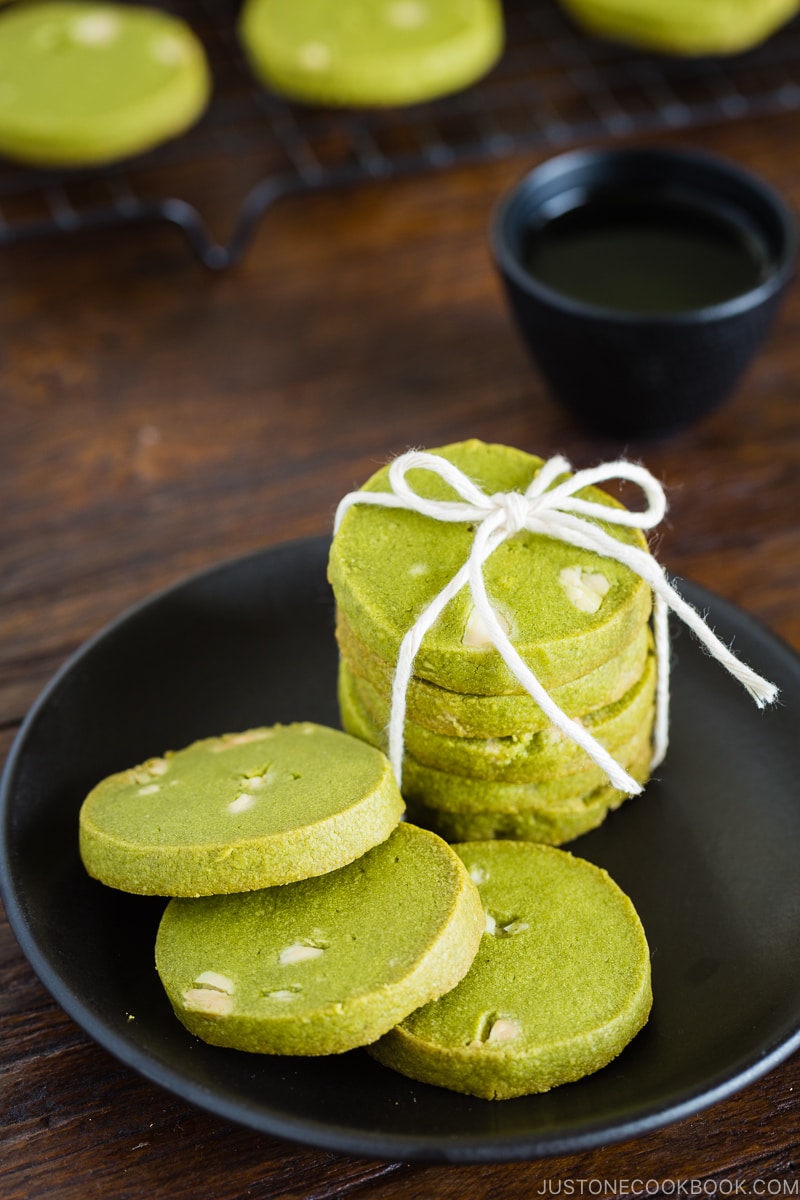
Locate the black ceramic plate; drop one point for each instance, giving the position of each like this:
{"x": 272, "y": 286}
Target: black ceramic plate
{"x": 708, "y": 855}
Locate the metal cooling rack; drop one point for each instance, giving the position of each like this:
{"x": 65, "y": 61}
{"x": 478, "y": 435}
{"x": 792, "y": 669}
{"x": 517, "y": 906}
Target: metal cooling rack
{"x": 554, "y": 87}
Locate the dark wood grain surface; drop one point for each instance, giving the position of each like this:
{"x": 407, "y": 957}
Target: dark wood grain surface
{"x": 156, "y": 419}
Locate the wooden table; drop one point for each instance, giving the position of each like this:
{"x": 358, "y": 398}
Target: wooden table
{"x": 156, "y": 419}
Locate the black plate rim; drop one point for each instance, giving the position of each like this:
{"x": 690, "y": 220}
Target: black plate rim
{"x": 368, "y": 1144}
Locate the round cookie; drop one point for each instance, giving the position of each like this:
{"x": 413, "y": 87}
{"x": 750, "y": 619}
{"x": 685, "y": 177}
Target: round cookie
{"x": 552, "y": 825}
{"x": 363, "y": 52}
{"x": 459, "y": 794}
{"x": 682, "y": 26}
{"x": 326, "y": 964}
{"x": 521, "y": 758}
{"x": 462, "y": 793}
{"x": 84, "y": 82}
{"x": 387, "y": 564}
{"x": 560, "y": 984}
{"x": 241, "y": 811}
{"x": 457, "y": 715}
{"x": 551, "y": 828}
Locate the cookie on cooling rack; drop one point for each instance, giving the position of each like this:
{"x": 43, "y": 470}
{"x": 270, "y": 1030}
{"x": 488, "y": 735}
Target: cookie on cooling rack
{"x": 84, "y": 83}
{"x": 682, "y": 26}
{"x": 370, "y": 52}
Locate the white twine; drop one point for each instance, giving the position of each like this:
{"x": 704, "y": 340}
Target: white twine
{"x": 555, "y": 510}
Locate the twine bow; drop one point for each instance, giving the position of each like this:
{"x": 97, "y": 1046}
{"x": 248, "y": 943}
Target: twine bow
{"x": 553, "y": 509}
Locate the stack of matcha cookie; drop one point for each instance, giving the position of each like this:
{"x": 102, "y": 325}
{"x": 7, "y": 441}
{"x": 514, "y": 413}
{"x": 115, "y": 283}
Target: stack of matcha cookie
{"x": 307, "y": 919}
{"x": 481, "y": 759}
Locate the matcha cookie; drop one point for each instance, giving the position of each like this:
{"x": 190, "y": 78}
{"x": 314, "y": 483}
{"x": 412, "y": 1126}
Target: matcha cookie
{"x": 560, "y": 985}
{"x": 241, "y": 811}
{"x": 326, "y": 964}
{"x": 370, "y": 52}
{"x": 455, "y": 714}
{"x": 567, "y": 610}
{"x": 84, "y": 83}
{"x": 460, "y": 794}
{"x": 683, "y": 26}
{"x": 554, "y": 825}
{"x": 439, "y": 788}
{"x": 520, "y": 758}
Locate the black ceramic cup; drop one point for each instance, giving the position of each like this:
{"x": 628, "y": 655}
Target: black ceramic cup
{"x": 630, "y": 373}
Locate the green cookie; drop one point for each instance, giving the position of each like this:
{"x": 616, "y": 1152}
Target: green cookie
{"x": 387, "y": 564}
{"x": 241, "y": 811}
{"x": 521, "y": 758}
{"x": 84, "y": 82}
{"x": 458, "y": 794}
{"x": 560, "y": 985}
{"x": 464, "y": 794}
{"x": 326, "y": 964}
{"x": 456, "y": 715}
{"x": 683, "y": 26}
{"x": 371, "y": 52}
{"x": 550, "y": 825}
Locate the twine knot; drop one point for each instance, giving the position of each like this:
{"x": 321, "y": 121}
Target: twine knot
{"x": 550, "y": 505}
{"x": 517, "y": 510}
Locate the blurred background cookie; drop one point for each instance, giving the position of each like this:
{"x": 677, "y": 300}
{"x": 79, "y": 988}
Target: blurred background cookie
{"x": 84, "y": 83}
{"x": 684, "y": 26}
{"x": 371, "y": 52}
